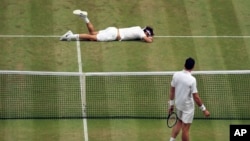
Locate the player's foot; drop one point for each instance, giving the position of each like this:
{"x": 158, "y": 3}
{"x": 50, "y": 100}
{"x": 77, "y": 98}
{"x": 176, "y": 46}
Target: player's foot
{"x": 65, "y": 36}
{"x": 80, "y": 13}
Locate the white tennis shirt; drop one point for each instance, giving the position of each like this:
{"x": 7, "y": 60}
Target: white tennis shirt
{"x": 185, "y": 87}
{"x": 131, "y": 33}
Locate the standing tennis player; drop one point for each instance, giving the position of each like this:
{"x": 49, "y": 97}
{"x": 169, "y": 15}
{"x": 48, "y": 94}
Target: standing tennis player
{"x": 109, "y": 34}
{"x": 183, "y": 94}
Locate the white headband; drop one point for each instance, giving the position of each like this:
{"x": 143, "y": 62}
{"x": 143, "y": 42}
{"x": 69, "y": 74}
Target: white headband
{"x": 148, "y": 32}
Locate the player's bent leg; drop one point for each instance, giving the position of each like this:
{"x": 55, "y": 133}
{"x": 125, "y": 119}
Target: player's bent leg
{"x": 87, "y": 37}
{"x": 91, "y": 28}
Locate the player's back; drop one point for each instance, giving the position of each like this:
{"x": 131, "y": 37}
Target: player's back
{"x": 131, "y": 33}
{"x": 185, "y": 86}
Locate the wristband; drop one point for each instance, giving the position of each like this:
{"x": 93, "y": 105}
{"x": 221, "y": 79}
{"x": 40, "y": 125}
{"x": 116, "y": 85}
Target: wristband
{"x": 202, "y": 107}
{"x": 171, "y": 102}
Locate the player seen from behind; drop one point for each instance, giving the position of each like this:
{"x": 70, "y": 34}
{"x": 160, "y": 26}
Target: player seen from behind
{"x": 183, "y": 94}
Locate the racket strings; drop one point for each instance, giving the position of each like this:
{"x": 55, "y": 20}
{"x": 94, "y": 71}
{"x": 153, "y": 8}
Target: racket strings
{"x": 172, "y": 119}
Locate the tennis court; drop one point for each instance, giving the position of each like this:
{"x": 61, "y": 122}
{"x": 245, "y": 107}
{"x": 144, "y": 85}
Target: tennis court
{"x": 33, "y": 107}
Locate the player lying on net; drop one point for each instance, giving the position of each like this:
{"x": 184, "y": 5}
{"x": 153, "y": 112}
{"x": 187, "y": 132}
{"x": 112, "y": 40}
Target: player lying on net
{"x": 109, "y": 34}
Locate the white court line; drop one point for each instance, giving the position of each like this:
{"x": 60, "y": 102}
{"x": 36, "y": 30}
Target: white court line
{"x": 83, "y": 91}
{"x": 57, "y": 36}
{"x": 30, "y": 36}
{"x": 202, "y": 36}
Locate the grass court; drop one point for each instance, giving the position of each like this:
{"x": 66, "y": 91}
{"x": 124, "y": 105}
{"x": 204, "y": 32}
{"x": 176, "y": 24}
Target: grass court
{"x": 215, "y": 33}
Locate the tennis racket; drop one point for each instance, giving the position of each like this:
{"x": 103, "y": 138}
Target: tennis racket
{"x": 172, "y": 119}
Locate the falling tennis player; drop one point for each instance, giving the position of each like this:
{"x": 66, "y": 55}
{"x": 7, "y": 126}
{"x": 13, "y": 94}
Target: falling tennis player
{"x": 109, "y": 34}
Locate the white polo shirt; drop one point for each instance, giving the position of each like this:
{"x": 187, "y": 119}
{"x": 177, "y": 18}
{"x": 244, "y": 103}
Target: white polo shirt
{"x": 131, "y": 33}
{"x": 185, "y": 87}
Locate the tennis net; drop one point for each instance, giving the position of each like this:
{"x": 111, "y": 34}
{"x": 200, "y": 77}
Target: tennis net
{"x": 49, "y": 95}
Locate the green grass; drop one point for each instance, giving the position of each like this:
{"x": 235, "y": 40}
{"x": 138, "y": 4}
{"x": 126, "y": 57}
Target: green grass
{"x": 169, "y": 18}
{"x": 106, "y": 130}
{"x": 40, "y": 130}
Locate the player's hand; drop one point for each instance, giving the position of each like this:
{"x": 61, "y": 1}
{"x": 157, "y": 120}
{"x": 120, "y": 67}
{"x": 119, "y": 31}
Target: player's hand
{"x": 151, "y": 38}
{"x": 148, "y": 39}
{"x": 171, "y": 109}
{"x": 206, "y": 113}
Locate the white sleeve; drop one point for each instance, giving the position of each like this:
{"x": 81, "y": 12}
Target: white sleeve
{"x": 194, "y": 87}
{"x": 173, "y": 81}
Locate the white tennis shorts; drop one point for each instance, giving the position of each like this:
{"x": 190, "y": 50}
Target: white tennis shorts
{"x": 108, "y": 34}
{"x": 185, "y": 116}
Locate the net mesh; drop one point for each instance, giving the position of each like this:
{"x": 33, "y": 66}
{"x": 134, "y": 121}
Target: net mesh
{"x": 111, "y": 95}
{"x": 39, "y": 96}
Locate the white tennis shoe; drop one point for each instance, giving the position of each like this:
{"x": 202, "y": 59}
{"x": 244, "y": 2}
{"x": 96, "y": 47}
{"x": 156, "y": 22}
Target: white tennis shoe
{"x": 80, "y": 13}
{"x": 66, "y": 35}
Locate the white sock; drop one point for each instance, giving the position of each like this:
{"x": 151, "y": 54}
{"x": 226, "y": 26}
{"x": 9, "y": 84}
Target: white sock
{"x": 74, "y": 37}
{"x": 86, "y": 19}
{"x": 172, "y": 139}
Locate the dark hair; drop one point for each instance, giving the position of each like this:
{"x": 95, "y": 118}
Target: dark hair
{"x": 189, "y": 64}
{"x": 149, "y": 30}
